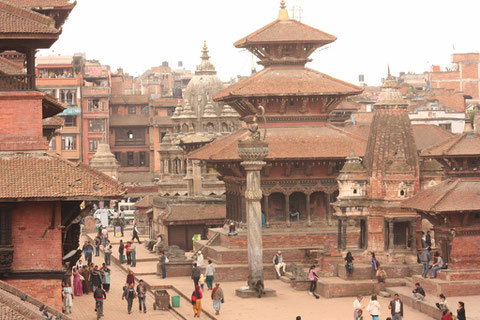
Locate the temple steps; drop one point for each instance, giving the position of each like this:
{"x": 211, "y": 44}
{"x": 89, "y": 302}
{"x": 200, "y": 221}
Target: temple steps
{"x": 427, "y": 306}
{"x": 467, "y": 287}
{"x": 334, "y": 287}
{"x": 363, "y": 271}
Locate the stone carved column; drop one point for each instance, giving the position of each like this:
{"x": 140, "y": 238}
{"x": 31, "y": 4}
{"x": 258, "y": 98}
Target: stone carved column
{"x": 308, "y": 209}
{"x": 390, "y": 236}
{"x": 252, "y": 152}
{"x": 287, "y": 209}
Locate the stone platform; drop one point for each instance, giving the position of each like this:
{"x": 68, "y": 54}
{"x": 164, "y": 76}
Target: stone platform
{"x": 249, "y": 293}
{"x": 333, "y": 287}
{"x": 467, "y": 287}
{"x": 363, "y": 271}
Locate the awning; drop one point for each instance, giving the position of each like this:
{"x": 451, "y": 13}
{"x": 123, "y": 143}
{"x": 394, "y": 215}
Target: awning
{"x": 71, "y": 112}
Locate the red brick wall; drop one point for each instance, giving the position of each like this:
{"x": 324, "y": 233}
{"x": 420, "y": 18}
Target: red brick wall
{"x": 47, "y": 291}
{"x": 32, "y": 251}
{"x": 465, "y": 252}
{"x": 21, "y": 121}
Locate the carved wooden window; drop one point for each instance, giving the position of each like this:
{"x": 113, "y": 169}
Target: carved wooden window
{"x": 5, "y": 226}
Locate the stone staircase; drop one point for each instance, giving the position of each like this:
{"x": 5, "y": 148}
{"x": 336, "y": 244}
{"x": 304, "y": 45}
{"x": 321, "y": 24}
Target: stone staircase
{"x": 360, "y": 282}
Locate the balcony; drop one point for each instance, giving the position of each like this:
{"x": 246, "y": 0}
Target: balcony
{"x": 129, "y": 121}
{"x": 17, "y": 82}
{"x": 129, "y": 142}
{"x": 95, "y": 92}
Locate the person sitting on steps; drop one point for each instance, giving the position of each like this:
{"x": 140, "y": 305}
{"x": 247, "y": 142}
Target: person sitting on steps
{"x": 278, "y": 263}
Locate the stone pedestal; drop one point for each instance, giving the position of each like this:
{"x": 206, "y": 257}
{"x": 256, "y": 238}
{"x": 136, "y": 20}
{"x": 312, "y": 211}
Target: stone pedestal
{"x": 252, "y": 152}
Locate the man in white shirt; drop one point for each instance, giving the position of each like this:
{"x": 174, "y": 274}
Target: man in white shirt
{"x": 357, "y": 306}
{"x": 396, "y": 308}
{"x": 278, "y": 263}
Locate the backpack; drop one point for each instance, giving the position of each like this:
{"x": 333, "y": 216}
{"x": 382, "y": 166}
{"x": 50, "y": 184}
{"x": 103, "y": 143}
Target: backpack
{"x": 98, "y": 294}
{"x": 194, "y": 298}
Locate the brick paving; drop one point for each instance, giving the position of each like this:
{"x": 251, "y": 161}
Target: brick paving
{"x": 287, "y": 305}
{"x": 114, "y": 307}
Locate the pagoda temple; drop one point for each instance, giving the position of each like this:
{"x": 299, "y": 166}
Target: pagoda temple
{"x": 305, "y": 152}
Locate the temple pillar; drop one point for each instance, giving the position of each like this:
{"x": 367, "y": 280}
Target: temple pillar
{"x": 390, "y": 235}
{"x": 414, "y": 236}
{"x": 344, "y": 234}
{"x": 30, "y": 56}
{"x": 197, "y": 178}
{"x": 307, "y": 208}
{"x": 252, "y": 152}
{"x": 339, "y": 235}
{"x": 266, "y": 209}
{"x": 328, "y": 214}
{"x": 287, "y": 210}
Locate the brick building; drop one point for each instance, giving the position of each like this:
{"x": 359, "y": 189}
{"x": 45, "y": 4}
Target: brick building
{"x": 95, "y": 107}
{"x": 56, "y": 76}
{"x": 464, "y": 77}
{"x": 40, "y": 194}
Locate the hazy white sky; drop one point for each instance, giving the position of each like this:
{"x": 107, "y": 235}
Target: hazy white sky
{"x": 410, "y": 35}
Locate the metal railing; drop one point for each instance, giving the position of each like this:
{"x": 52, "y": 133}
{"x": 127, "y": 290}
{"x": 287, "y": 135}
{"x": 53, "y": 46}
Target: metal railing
{"x": 17, "y": 82}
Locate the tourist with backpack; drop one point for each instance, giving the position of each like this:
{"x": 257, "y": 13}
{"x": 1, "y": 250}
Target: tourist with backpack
{"x": 197, "y": 302}
{"x": 129, "y": 294}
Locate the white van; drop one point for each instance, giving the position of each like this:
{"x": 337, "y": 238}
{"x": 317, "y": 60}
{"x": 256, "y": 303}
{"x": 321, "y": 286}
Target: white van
{"x": 128, "y": 209}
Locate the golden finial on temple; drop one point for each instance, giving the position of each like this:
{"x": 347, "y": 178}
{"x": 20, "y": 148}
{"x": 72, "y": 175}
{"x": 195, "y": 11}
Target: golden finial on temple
{"x": 283, "y": 14}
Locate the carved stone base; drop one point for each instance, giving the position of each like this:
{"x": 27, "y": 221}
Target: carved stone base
{"x": 6, "y": 258}
{"x": 249, "y": 293}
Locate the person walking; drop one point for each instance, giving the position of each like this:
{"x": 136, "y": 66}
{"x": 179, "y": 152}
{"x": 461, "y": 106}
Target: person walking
{"x": 437, "y": 265}
{"x": 209, "y": 270}
{"x": 121, "y": 250}
{"x": 141, "y": 293}
{"x": 127, "y": 250}
{"x": 197, "y": 302}
{"x": 201, "y": 281}
{"x": 84, "y": 250}
{"x": 130, "y": 277}
{"x": 88, "y": 252}
{"x": 104, "y": 236}
{"x": 278, "y": 263}
{"x": 349, "y": 263}
{"x": 373, "y": 308}
{"x": 425, "y": 258}
{"x": 396, "y": 307}
{"x": 357, "y": 307}
{"x": 107, "y": 248}
{"x": 418, "y": 292}
{"x": 99, "y": 295}
{"x": 86, "y": 278}
{"x": 163, "y": 264}
{"x": 135, "y": 234}
{"x": 121, "y": 218}
{"x": 106, "y": 278}
{"x": 313, "y": 281}
{"x": 218, "y": 298}
{"x": 67, "y": 295}
{"x": 97, "y": 276}
{"x": 195, "y": 274}
{"x": 461, "y": 311}
{"x": 98, "y": 242}
{"x": 375, "y": 265}
{"x": 129, "y": 294}
{"x": 133, "y": 254}
{"x": 77, "y": 282}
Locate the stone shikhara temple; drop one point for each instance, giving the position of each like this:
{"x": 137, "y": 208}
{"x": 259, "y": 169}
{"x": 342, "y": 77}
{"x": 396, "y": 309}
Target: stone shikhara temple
{"x": 326, "y": 189}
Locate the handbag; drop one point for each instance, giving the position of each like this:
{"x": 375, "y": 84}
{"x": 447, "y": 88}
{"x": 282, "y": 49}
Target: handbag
{"x": 82, "y": 278}
{"x": 222, "y": 301}
{"x": 166, "y": 259}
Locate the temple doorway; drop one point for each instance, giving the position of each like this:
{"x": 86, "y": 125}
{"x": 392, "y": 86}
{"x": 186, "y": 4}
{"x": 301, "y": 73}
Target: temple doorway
{"x": 298, "y": 206}
{"x": 317, "y": 205}
{"x": 276, "y": 208}
{"x": 400, "y": 235}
